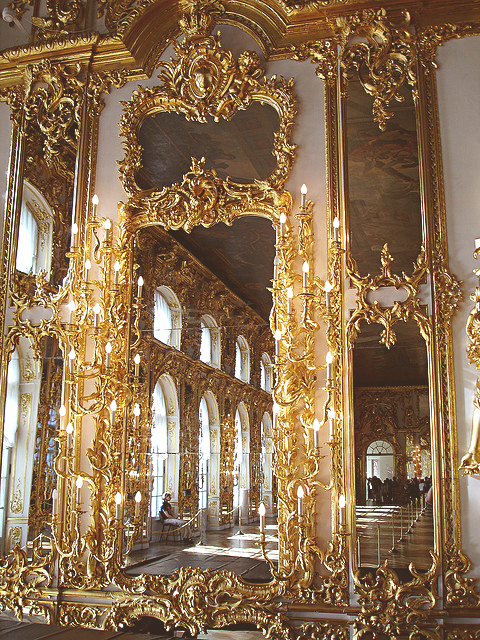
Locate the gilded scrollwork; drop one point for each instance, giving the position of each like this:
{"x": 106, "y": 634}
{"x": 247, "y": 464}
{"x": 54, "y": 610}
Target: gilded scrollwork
{"x": 383, "y": 52}
{"x": 390, "y": 608}
{"x": 205, "y": 80}
{"x": 372, "y": 312}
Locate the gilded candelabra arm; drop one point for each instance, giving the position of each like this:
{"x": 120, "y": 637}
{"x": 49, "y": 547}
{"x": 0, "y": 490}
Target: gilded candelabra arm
{"x": 305, "y": 568}
{"x": 273, "y": 569}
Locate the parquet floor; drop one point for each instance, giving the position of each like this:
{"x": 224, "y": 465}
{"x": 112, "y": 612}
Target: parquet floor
{"x": 384, "y": 533}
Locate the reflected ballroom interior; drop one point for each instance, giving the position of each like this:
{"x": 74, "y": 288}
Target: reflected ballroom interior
{"x": 392, "y": 448}
{"x": 206, "y": 336}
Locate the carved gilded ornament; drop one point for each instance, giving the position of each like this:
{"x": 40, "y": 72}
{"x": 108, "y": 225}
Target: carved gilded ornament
{"x": 390, "y": 608}
{"x": 383, "y": 52}
{"x": 470, "y": 463}
{"x": 16, "y": 502}
{"x": 53, "y": 101}
{"x": 372, "y": 312}
{"x": 204, "y": 80}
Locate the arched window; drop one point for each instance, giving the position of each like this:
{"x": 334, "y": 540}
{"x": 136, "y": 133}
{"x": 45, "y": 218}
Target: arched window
{"x": 242, "y": 359}
{"x": 210, "y": 342}
{"x": 167, "y": 318}
{"x": 203, "y": 454}
{"x": 34, "y": 232}
{"x": 159, "y": 449}
{"x": 242, "y": 460}
{"x": 266, "y": 373}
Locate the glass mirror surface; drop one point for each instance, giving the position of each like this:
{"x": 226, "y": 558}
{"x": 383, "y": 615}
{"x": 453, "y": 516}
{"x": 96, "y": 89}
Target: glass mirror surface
{"x": 207, "y": 443}
{"x": 33, "y": 400}
{"x": 394, "y": 518}
{"x": 240, "y": 148}
{"x": 383, "y": 182}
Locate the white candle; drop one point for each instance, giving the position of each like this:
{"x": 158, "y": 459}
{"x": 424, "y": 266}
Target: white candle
{"x": 54, "y": 502}
{"x": 88, "y": 266}
{"x": 136, "y": 413}
{"x": 96, "y": 315}
{"x": 275, "y": 267}
{"x": 69, "y": 430}
{"x": 113, "y": 408}
{"x": 305, "y": 269}
{"x": 107, "y": 225}
{"x": 116, "y": 270}
{"x": 79, "y": 485}
{"x": 139, "y": 287}
{"x": 283, "y": 220}
{"x": 336, "y": 227}
{"x": 289, "y": 299}
{"x": 71, "y": 358}
{"x": 331, "y": 421}
{"x": 95, "y": 204}
{"x": 74, "y": 232}
{"x": 300, "y": 494}
{"x": 477, "y": 243}
{"x": 136, "y": 361}
{"x": 278, "y": 337}
{"x": 261, "y": 512}
{"x": 71, "y": 306}
{"x": 316, "y": 429}
{"x": 329, "y": 360}
{"x": 275, "y": 409}
{"x": 108, "y": 349}
{"x": 303, "y": 191}
{"x": 341, "y": 507}
{"x": 138, "y": 499}
{"x": 62, "y": 412}
{"x": 118, "y": 502}
{"x": 328, "y": 288}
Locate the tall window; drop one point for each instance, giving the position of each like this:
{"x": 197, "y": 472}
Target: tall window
{"x": 27, "y": 240}
{"x": 203, "y": 454}
{"x": 266, "y": 373}
{"x": 242, "y": 359}
{"x": 167, "y": 319}
{"x": 210, "y": 341}
{"x": 159, "y": 448}
{"x": 34, "y": 232}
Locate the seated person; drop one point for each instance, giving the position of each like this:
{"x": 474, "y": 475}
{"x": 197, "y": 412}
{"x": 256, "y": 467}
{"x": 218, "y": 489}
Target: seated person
{"x": 166, "y": 512}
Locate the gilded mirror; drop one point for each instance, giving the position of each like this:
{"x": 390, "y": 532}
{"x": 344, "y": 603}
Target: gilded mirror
{"x": 389, "y": 336}
{"x": 195, "y": 165}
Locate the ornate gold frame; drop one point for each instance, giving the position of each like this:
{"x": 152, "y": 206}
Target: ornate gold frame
{"x": 82, "y": 580}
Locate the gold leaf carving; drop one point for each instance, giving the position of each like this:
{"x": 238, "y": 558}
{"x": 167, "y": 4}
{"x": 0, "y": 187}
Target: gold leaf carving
{"x": 16, "y": 503}
{"x": 383, "y": 52}
{"x": 401, "y": 311}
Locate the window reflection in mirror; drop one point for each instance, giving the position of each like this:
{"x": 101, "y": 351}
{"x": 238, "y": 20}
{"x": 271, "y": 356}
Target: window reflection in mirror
{"x": 392, "y": 449}
{"x": 208, "y": 442}
{"x": 33, "y": 400}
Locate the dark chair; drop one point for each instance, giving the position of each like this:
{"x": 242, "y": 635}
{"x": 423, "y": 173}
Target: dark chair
{"x": 168, "y": 528}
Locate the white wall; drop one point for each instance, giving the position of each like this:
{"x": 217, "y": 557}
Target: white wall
{"x": 459, "y": 109}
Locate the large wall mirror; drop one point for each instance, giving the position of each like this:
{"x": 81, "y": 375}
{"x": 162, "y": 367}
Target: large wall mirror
{"x": 391, "y": 391}
{"x": 203, "y": 177}
{"x": 207, "y": 340}
{"x": 38, "y": 237}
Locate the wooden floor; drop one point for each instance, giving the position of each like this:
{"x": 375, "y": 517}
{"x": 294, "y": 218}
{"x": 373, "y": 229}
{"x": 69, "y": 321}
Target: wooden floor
{"x": 219, "y": 550}
{"x": 400, "y": 535}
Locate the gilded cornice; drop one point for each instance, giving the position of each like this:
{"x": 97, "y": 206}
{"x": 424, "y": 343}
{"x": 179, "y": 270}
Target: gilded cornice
{"x": 134, "y": 37}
